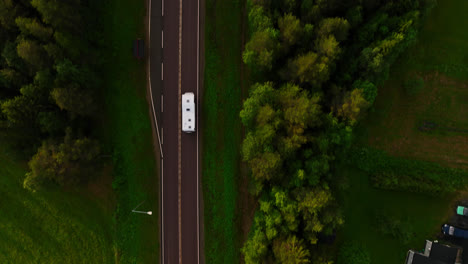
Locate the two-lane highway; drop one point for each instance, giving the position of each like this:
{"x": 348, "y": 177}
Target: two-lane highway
{"x": 174, "y": 69}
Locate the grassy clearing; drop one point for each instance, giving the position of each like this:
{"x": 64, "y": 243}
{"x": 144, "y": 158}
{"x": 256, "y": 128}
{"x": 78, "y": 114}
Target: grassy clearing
{"x": 429, "y": 124}
{"x": 222, "y": 130}
{"x": 51, "y": 226}
{"x": 414, "y": 123}
{"x": 421, "y": 216}
{"x": 127, "y": 135}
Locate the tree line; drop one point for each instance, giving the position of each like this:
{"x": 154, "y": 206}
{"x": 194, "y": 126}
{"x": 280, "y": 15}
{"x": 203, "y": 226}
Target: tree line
{"x": 49, "y": 79}
{"x": 317, "y": 65}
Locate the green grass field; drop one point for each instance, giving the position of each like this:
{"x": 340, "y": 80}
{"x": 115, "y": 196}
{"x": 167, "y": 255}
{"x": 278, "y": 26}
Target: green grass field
{"x": 422, "y": 215}
{"x": 50, "y": 226}
{"x": 222, "y": 130}
{"x": 429, "y": 124}
{"x": 127, "y": 135}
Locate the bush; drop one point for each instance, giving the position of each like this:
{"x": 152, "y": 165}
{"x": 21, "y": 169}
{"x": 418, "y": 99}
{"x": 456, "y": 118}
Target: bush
{"x": 387, "y": 224}
{"x": 396, "y": 173}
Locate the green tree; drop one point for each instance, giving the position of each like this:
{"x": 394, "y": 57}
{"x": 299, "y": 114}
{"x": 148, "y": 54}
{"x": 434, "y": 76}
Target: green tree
{"x": 336, "y": 26}
{"x": 290, "y": 251}
{"x": 258, "y": 19}
{"x": 74, "y": 99}
{"x": 255, "y": 248}
{"x": 309, "y": 68}
{"x": 353, "y": 103}
{"x": 65, "y": 164}
{"x": 261, "y": 49}
{"x": 290, "y": 29}
{"x": 30, "y": 26}
{"x": 60, "y": 14}
{"x": 33, "y": 53}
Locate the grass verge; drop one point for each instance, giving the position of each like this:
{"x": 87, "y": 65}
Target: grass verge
{"x": 222, "y": 130}
{"x": 127, "y": 135}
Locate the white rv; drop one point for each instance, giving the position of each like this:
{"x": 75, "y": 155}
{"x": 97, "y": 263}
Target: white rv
{"x": 188, "y": 112}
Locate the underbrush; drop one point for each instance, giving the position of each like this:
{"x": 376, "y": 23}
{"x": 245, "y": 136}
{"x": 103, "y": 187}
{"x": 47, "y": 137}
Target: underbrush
{"x": 395, "y": 173}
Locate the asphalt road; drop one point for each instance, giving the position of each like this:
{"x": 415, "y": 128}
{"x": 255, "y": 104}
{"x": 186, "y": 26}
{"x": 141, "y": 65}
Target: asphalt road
{"x": 173, "y": 71}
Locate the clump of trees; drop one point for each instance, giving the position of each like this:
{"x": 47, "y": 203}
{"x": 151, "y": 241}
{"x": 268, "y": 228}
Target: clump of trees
{"x": 48, "y": 85}
{"x": 318, "y": 65}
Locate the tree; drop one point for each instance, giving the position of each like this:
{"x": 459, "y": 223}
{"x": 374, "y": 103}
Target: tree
{"x": 290, "y": 29}
{"x": 290, "y": 251}
{"x": 255, "y": 248}
{"x": 308, "y": 68}
{"x": 33, "y": 27}
{"x": 60, "y": 14}
{"x": 33, "y": 53}
{"x": 65, "y": 164}
{"x": 319, "y": 215}
{"x": 328, "y": 46}
{"x": 261, "y": 48}
{"x": 353, "y": 103}
{"x": 258, "y": 20}
{"x": 336, "y": 26}
{"x": 74, "y": 99}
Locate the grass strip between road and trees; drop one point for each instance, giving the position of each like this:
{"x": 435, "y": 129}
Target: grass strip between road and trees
{"x": 127, "y": 135}
{"x": 222, "y": 130}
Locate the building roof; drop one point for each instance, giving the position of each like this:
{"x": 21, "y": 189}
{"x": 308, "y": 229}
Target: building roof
{"x": 421, "y": 259}
{"x": 443, "y": 253}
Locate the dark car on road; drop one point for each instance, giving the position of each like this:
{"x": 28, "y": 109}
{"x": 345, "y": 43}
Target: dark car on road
{"x": 454, "y": 231}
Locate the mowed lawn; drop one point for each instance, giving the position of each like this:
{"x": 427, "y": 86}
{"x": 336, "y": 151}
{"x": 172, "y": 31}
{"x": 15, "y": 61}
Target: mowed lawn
{"x": 127, "y": 135}
{"x": 49, "y": 226}
{"x": 429, "y": 124}
{"x": 222, "y": 131}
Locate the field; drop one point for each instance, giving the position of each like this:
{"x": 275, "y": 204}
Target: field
{"x": 52, "y": 226}
{"x": 222, "y": 132}
{"x": 427, "y": 121}
{"x": 420, "y": 113}
{"x": 127, "y": 135}
{"x": 420, "y": 216}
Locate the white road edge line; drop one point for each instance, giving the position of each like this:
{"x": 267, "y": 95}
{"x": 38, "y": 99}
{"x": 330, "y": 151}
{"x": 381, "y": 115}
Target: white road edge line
{"x": 157, "y": 130}
{"x": 162, "y": 71}
{"x": 198, "y": 98}
{"x": 162, "y": 104}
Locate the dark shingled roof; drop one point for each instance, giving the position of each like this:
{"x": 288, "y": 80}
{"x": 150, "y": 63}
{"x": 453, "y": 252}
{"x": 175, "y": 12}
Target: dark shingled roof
{"x": 443, "y": 253}
{"x": 420, "y": 259}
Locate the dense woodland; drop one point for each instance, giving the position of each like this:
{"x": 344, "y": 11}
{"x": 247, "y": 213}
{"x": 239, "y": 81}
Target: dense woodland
{"x": 317, "y": 65}
{"x": 49, "y": 79}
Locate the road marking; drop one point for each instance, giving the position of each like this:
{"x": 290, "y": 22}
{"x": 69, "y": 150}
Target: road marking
{"x": 198, "y": 118}
{"x": 162, "y": 103}
{"x": 162, "y": 38}
{"x": 162, "y": 8}
{"x": 162, "y": 71}
{"x": 179, "y": 132}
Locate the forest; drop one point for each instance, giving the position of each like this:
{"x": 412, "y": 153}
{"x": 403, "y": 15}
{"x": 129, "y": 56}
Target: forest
{"x": 49, "y": 79}
{"x": 316, "y": 67}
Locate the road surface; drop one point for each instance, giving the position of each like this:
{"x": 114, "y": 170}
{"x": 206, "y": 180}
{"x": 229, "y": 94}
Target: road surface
{"x": 173, "y": 64}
